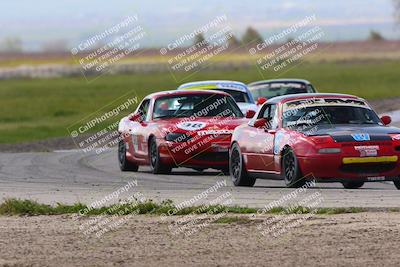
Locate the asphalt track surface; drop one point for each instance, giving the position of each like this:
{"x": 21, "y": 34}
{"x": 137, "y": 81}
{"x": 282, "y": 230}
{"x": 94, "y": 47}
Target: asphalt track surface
{"x": 74, "y": 176}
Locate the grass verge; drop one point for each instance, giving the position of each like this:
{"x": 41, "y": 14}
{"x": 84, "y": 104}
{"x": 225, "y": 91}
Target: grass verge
{"x": 14, "y": 206}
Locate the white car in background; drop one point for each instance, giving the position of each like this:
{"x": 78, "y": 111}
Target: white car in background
{"x": 237, "y": 90}
{"x": 267, "y": 89}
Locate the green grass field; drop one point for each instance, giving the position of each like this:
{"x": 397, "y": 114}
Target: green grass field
{"x": 44, "y": 108}
{"x": 29, "y": 207}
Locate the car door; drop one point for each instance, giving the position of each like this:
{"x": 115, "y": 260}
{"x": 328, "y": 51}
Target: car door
{"x": 261, "y": 151}
{"x": 138, "y": 133}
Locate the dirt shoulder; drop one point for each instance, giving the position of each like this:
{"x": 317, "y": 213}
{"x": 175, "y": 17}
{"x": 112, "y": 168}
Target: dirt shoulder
{"x": 362, "y": 239}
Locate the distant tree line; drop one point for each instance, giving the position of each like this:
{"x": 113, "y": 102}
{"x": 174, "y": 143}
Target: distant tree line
{"x": 250, "y": 35}
{"x": 11, "y": 45}
{"x": 375, "y": 35}
{"x": 14, "y": 44}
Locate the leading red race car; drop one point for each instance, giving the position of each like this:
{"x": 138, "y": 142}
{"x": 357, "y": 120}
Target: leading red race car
{"x": 327, "y": 137}
{"x": 179, "y": 128}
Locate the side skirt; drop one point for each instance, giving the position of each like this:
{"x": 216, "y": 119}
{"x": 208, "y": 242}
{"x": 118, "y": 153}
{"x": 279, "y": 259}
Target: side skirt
{"x": 265, "y": 175}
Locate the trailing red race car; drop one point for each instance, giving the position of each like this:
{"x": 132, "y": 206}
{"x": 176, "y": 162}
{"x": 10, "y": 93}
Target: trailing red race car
{"x": 179, "y": 128}
{"x": 327, "y": 137}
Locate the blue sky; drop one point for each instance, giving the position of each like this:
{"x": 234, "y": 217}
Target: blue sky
{"x": 40, "y": 21}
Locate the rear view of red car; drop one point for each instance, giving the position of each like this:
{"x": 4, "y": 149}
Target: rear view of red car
{"x": 327, "y": 137}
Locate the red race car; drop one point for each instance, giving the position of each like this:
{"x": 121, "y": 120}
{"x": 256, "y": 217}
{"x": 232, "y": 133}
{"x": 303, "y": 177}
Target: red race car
{"x": 180, "y": 128}
{"x": 326, "y": 137}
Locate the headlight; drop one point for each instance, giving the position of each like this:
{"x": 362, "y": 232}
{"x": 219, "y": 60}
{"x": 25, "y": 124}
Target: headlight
{"x": 330, "y": 151}
{"x": 177, "y": 137}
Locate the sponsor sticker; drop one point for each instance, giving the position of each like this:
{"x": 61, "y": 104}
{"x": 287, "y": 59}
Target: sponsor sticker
{"x": 214, "y": 132}
{"x": 278, "y": 139}
{"x": 236, "y": 87}
{"x": 191, "y": 126}
{"x": 135, "y": 142}
{"x": 367, "y": 151}
{"x": 396, "y": 137}
{"x": 318, "y": 102}
{"x": 378, "y": 178}
{"x": 360, "y": 137}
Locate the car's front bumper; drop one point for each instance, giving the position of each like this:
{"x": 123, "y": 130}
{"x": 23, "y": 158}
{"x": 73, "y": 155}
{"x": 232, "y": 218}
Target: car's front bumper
{"x": 213, "y": 154}
{"x": 336, "y": 167}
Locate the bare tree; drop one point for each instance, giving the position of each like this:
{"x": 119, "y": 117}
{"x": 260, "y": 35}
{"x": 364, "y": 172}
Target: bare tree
{"x": 11, "y": 44}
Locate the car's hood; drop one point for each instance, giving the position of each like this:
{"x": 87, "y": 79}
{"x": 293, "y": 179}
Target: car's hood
{"x": 244, "y": 107}
{"x": 352, "y": 133}
{"x": 183, "y": 125}
{"x": 201, "y": 123}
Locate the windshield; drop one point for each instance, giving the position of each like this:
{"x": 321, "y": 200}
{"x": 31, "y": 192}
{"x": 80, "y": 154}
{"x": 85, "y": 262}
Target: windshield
{"x": 240, "y": 97}
{"x": 328, "y": 115}
{"x": 278, "y": 89}
{"x": 201, "y": 105}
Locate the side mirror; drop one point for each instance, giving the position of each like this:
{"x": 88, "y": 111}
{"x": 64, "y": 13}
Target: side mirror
{"x": 261, "y": 100}
{"x": 250, "y": 114}
{"x": 386, "y": 120}
{"x": 260, "y": 123}
{"x": 136, "y": 117}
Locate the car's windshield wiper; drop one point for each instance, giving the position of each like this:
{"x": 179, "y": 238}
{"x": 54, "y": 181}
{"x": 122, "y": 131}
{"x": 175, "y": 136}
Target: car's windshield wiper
{"x": 182, "y": 115}
{"x": 298, "y": 124}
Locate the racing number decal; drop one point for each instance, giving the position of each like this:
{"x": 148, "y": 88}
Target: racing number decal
{"x": 278, "y": 139}
{"x": 191, "y": 126}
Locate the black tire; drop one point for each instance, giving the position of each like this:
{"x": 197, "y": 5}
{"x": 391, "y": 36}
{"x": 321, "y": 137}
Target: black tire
{"x": 397, "y": 184}
{"x": 155, "y": 162}
{"x": 237, "y": 168}
{"x": 291, "y": 170}
{"x": 124, "y": 164}
{"x": 352, "y": 185}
